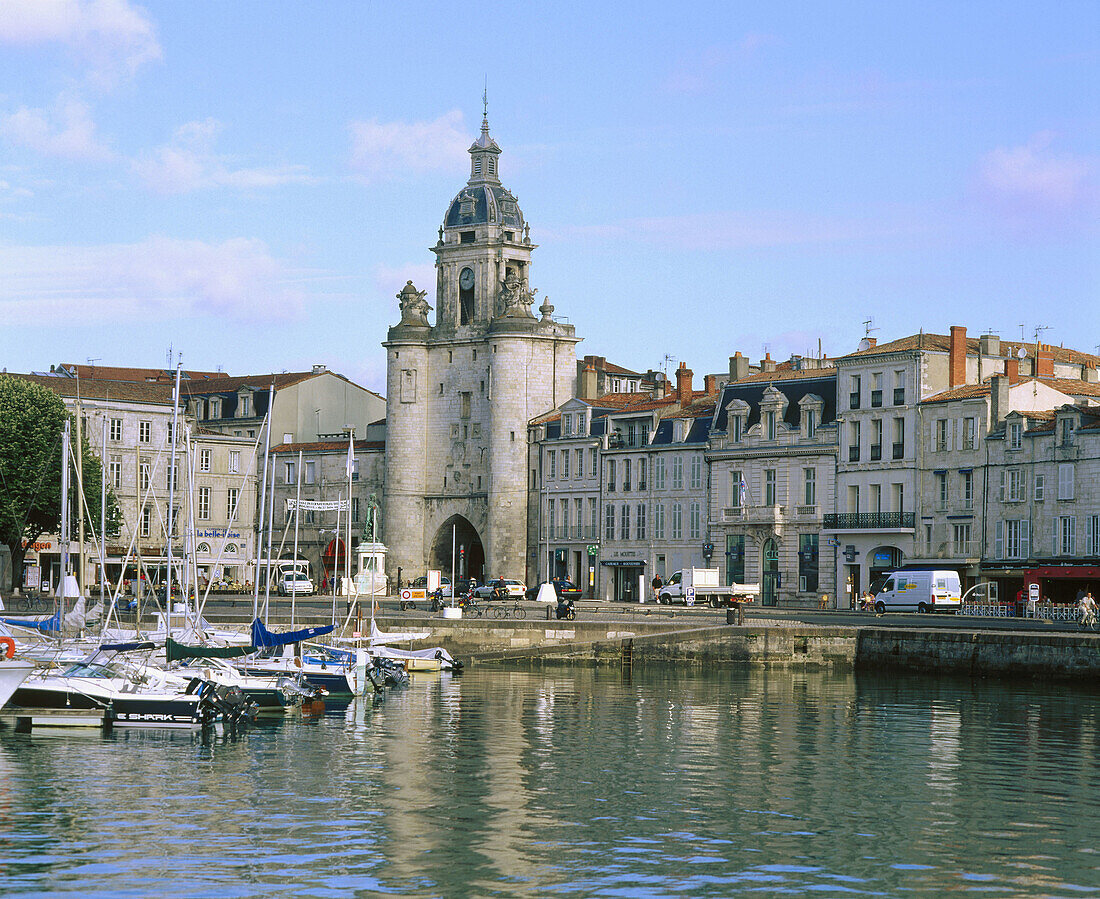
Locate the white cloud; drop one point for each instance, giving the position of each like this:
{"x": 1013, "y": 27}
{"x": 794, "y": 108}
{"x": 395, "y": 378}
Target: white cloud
{"x": 385, "y": 149}
{"x": 709, "y": 66}
{"x": 158, "y": 278}
{"x": 113, "y": 37}
{"x": 189, "y": 163}
{"x": 65, "y": 129}
{"x": 1032, "y": 179}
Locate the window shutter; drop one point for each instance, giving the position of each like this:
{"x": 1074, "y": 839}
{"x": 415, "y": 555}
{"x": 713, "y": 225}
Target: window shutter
{"x": 1055, "y": 549}
{"x": 1025, "y": 538}
{"x": 998, "y": 540}
{"x": 1001, "y": 492}
{"x": 1090, "y": 535}
{"x": 932, "y": 435}
{"x": 1073, "y": 535}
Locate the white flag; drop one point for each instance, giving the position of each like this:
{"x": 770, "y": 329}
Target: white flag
{"x": 743, "y": 489}
{"x": 351, "y": 456}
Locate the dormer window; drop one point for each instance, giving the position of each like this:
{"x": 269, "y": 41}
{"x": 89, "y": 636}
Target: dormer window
{"x": 567, "y": 425}
{"x": 1015, "y": 435}
{"x": 678, "y": 431}
{"x": 1065, "y": 431}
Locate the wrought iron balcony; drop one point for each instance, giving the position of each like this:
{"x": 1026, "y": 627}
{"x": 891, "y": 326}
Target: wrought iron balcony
{"x": 870, "y": 521}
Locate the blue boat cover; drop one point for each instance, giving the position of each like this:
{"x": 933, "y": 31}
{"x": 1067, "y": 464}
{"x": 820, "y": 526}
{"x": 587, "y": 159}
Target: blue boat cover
{"x": 262, "y": 637}
{"x": 46, "y": 625}
{"x": 128, "y": 647}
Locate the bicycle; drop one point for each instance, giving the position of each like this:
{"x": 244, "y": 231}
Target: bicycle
{"x": 34, "y": 605}
{"x": 471, "y": 608}
{"x": 517, "y": 611}
{"x": 1086, "y": 618}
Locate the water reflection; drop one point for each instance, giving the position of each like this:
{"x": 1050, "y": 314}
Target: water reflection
{"x": 504, "y": 783}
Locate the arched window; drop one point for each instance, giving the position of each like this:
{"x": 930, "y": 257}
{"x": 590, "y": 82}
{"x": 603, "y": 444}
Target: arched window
{"x": 203, "y": 548}
{"x": 231, "y": 549}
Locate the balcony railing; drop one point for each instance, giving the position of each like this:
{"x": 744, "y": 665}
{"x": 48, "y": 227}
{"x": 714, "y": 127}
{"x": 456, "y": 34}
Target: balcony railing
{"x": 853, "y": 454}
{"x": 899, "y": 450}
{"x": 876, "y": 452}
{"x": 806, "y": 510}
{"x": 576, "y": 532}
{"x": 899, "y": 396}
{"x": 870, "y": 521}
{"x": 876, "y": 398}
{"x": 853, "y": 400}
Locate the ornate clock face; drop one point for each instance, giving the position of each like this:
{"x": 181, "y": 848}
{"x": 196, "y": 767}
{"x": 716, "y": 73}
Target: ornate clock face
{"x": 466, "y": 279}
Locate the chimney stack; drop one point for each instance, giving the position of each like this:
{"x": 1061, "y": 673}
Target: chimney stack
{"x": 739, "y": 366}
{"x": 767, "y": 363}
{"x": 956, "y": 360}
{"x": 587, "y": 385}
{"x": 1044, "y": 362}
{"x": 710, "y": 384}
{"x": 998, "y": 399}
{"x": 1012, "y": 370}
{"x": 683, "y": 385}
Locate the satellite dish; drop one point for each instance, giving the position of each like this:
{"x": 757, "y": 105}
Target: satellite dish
{"x": 1021, "y": 353}
{"x": 864, "y": 344}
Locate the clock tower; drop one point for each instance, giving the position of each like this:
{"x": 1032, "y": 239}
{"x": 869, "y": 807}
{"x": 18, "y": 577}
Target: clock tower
{"x": 461, "y": 391}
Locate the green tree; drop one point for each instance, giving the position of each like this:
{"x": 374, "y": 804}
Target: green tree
{"x": 32, "y": 419}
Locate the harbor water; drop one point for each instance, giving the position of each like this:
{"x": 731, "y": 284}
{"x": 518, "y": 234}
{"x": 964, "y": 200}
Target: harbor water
{"x": 580, "y": 783}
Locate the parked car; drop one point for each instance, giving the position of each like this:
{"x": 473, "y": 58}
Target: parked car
{"x": 514, "y": 588}
{"x": 421, "y": 583}
{"x": 295, "y": 582}
{"x": 562, "y": 587}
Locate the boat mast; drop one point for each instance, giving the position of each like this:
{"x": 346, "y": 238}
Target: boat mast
{"x": 80, "y": 483}
{"x": 297, "y": 512}
{"x": 172, "y": 498}
{"x": 65, "y": 439}
{"x": 263, "y": 503}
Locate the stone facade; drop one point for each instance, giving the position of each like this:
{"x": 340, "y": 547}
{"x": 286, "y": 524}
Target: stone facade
{"x": 317, "y": 472}
{"x": 460, "y": 393}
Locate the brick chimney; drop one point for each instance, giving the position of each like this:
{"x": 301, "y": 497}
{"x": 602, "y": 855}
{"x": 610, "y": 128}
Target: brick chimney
{"x": 739, "y": 367}
{"x": 1044, "y": 362}
{"x": 956, "y": 360}
{"x": 871, "y": 342}
{"x": 710, "y": 384}
{"x": 683, "y": 385}
{"x": 767, "y": 363}
{"x": 1012, "y": 370}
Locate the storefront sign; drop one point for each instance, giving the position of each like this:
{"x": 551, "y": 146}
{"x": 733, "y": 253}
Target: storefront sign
{"x": 217, "y": 534}
{"x": 314, "y": 505}
{"x": 624, "y": 563}
{"x": 39, "y": 546}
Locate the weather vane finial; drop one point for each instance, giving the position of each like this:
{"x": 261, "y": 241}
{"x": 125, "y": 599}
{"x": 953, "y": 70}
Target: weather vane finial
{"x": 485, "y": 99}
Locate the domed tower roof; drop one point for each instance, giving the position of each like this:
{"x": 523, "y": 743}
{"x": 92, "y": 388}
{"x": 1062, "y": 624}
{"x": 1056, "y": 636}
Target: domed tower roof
{"x": 484, "y": 199}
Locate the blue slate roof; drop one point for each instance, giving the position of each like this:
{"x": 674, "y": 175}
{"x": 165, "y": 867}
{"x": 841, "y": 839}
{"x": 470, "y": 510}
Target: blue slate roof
{"x": 794, "y": 389}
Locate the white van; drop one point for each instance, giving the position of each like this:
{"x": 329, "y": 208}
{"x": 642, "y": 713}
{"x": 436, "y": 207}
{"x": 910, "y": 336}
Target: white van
{"x": 920, "y": 591}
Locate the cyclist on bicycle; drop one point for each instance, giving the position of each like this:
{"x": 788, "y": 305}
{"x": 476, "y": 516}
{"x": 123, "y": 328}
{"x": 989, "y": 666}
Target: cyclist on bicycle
{"x": 500, "y": 591}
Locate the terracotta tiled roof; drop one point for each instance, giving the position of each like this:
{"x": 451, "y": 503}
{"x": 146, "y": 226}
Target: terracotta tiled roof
{"x": 788, "y": 374}
{"x": 328, "y": 446}
{"x": 122, "y": 391}
{"x": 121, "y": 373}
{"x": 1073, "y": 386}
{"x": 941, "y": 343}
{"x": 966, "y": 392}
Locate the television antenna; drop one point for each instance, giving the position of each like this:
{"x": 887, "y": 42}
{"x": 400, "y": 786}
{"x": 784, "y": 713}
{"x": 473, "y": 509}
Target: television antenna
{"x": 664, "y": 365}
{"x": 868, "y": 326}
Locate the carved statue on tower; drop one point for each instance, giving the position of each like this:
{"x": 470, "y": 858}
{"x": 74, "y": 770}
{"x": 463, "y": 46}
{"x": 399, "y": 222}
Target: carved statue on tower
{"x": 414, "y": 308}
{"x": 515, "y": 296}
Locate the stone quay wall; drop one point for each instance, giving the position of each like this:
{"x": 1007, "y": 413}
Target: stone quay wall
{"x": 973, "y": 653}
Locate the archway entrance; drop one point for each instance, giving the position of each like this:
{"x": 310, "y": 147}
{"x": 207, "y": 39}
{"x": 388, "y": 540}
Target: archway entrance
{"x": 469, "y": 555}
{"x": 881, "y": 561}
{"x": 769, "y": 586}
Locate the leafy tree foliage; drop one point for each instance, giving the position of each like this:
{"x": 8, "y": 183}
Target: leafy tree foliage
{"x": 32, "y": 419}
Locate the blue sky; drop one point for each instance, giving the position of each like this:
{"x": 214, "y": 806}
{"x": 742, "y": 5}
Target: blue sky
{"x": 251, "y": 183}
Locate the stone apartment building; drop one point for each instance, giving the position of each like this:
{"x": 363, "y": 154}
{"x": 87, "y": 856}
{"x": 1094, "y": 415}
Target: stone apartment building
{"x": 772, "y": 457}
{"x": 128, "y": 424}
{"x": 619, "y": 487}
{"x": 884, "y": 433}
{"x": 316, "y": 472}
